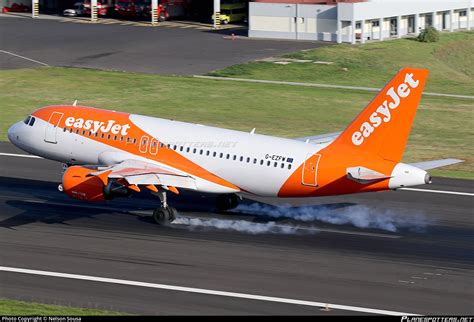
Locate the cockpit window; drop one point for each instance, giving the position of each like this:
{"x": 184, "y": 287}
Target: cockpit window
{"x": 32, "y": 121}
{"x": 27, "y": 120}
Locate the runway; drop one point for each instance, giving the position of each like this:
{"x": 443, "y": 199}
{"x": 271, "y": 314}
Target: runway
{"x": 403, "y": 251}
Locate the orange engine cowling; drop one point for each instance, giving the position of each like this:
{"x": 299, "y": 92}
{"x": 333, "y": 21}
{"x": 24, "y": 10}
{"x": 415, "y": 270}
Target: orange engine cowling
{"x": 78, "y": 185}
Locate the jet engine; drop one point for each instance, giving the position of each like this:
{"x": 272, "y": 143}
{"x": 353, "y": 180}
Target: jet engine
{"x": 77, "y": 183}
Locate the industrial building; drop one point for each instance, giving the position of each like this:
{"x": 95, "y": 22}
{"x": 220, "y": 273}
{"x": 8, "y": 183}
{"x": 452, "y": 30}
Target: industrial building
{"x": 348, "y": 21}
{"x": 354, "y": 21}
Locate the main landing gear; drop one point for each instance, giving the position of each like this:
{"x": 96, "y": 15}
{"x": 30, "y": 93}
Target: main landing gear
{"x": 226, "y": 202}
{"x": 165, "y": 214}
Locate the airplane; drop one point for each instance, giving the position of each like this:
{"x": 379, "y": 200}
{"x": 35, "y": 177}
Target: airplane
{"x": 108, "y": 154}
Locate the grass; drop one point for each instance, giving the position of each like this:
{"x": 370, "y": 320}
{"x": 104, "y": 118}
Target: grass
{"x": 15, "y": 308}
{"x": 443, "y": 127}
{"x": 450, "y": 61}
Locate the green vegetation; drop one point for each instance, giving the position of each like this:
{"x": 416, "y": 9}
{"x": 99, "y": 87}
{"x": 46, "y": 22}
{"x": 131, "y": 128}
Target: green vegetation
{"x": 15, "y": 308}
{"x": 450, "y": 61}
{"x": 429, "y": 34}
{"x": 443, "y": 127}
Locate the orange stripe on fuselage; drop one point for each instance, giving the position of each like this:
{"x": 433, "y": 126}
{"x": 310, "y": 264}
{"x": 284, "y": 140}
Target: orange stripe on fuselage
{"x": 165, "y": 155}
{"x": 332, "y": 177}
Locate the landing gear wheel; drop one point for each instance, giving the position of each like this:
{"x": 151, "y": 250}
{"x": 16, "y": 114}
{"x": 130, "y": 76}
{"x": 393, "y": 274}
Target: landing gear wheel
{"x": 226, "y": 202}
{"x": 164, "y": 216}
{"x": 173, "y": 213}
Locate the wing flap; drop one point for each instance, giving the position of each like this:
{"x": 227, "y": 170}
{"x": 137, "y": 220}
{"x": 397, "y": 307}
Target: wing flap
{"x": 144, "y": 173}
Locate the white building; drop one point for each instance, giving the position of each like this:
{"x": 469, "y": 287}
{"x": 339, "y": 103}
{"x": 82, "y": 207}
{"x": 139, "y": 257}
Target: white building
{"x": 359, "y": 21}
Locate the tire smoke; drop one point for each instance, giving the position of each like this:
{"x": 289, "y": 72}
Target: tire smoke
{"x": 358, "y": 216}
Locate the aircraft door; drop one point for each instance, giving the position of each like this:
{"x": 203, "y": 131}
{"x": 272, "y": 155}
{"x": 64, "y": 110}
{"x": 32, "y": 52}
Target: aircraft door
{"x": 52, "y": 126}
{"x": 310, "y": 170}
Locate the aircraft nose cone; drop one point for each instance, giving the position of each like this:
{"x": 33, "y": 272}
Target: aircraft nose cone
{"x": 13, "y": 133}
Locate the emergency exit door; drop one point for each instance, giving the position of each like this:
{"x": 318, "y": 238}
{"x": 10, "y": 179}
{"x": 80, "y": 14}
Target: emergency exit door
{"x": 310, "y": 170}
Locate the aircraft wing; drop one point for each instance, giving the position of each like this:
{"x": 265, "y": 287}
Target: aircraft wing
{"x": 144, "y": 173}
{"x": 435, "y": 163}
{"x": 319, "y": 139}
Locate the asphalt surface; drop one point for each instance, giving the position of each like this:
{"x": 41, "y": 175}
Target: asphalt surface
{"x": 130, "y": 48}
{"x": 414, "y": 255}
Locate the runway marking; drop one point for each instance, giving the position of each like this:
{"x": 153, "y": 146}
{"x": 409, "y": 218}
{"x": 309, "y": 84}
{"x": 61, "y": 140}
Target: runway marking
{"x": 440, "y": 191}
{"x": 419, "y": 278}
{"x": 406, "y": 282}
{"x": 23, "y": 57}
{"x": 20, "y": 155}
{"x": 202, "y": 291}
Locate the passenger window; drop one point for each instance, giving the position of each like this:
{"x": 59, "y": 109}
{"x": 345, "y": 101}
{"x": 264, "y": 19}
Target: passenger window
{"x": 241, "y": 158}
{"x": 181, "y": 148}
{"x": 64, "y": 130}
{"x": 115, "y": 138}
{"x": 108, "y": 137}
{"x": 214, "y": 154}
{"x": 282, "y": 165}
{"x": 134, "y": 140}
{"x": 276, "y": 164}
{"x": 188, "y": 149}
{"x": 221, "y": 155}
{"x": 208, "y": 152}
{"x": 228, "y": 156}
{"x": 175, "y": 147}
{"x": 70, "y": 130}
{"x": 83, "y": 132}
{"x": 77, "y": 131}
{"x": 289, "y": 166}
{"x": 161, "y": 145}
{"x": 248, "y": 160}
{"x": 268, "y": 163}
{"x": 254, "y": 161}
{"x": 90, "y": 133}
{"x": 261, "y": 162}
{"x": 235, "y": 157}
{"x": 121, "y": 139}
{"x": 102, "y": 135}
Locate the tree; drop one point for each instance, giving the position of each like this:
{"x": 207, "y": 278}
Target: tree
{"x": 429, "y": 34}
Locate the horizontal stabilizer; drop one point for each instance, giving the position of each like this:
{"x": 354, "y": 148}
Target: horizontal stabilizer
{"x": 435, "y": 163}
{"x": 364, "y": 175}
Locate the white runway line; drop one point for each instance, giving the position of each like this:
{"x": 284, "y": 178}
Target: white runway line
{"x": 23, "y": 57}
{"x": 20, "y": 155}
{"x": 202, "y": 291}
{"x": 439, "y": 191}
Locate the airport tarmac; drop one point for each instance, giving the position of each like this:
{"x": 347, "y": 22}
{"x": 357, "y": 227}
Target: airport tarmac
{"x": 403, "y": 251}
{"x": 160, "y": 50}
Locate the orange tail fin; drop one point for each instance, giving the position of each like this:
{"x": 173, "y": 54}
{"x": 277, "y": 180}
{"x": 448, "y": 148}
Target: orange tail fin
{"x": 384, "y": 125}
